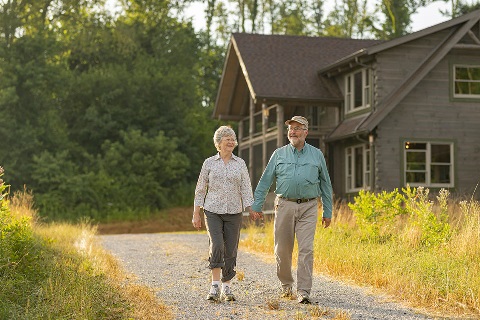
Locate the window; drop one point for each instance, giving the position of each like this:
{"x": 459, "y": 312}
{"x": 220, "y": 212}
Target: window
{"x": 257, "y": 168}
{"x": 428, "y": 164}
{"x": 466, "y": 83}
{"x": 358, "y": 170}
{"x": 358, "y": 90}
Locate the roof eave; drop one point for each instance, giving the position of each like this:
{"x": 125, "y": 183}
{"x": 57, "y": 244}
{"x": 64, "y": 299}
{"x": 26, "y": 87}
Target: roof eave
{"x": 347, "y": 136}
{"x": 347, "y": 61}
{"x": 276, "y": 99}
{"x": 340, "y": 64}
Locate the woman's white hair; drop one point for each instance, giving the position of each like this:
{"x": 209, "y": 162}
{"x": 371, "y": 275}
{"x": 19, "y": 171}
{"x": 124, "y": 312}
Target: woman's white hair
{"x": 223, "y": 131}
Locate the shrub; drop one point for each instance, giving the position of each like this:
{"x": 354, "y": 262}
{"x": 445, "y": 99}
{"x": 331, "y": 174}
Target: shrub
{"x": 375, "y": 213}
{"x": 425, "y": 227}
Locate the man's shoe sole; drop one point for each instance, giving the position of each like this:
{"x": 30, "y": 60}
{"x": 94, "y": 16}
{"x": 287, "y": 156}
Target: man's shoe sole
{"x": 304, "y": 300}
{"x": 286, "y": 293}
{"x": 227, "y": 298}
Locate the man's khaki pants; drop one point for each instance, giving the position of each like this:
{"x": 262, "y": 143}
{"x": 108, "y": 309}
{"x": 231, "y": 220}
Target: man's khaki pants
{"x": 300, "y": 220}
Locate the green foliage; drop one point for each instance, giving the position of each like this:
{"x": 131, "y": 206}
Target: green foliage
{"x": 134, "y": 176}
{"x": 432, "y": 228}
{"x": 375, "y": 213}
{"x": 377, "y": 216}
{"x": 18, "y": 254}
{"x": 42, "y": 278}
{"x": 144, "y": 169}
{"x": 16, "y": 236}
{"x": 102, "y": 116}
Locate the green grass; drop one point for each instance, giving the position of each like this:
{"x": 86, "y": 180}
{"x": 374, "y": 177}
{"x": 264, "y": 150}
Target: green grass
{"x": 56, "y": 271}
{"x": 420, "y": 257}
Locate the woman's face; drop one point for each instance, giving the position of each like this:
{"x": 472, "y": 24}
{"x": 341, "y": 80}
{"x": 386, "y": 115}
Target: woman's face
{"x": 227, "y": 144}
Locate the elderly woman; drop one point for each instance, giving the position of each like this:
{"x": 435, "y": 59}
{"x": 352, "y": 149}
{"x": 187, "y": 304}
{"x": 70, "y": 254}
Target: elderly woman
{"x": 223, "y": 191}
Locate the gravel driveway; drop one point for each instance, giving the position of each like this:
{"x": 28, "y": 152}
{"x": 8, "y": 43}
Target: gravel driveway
{"x": 175, "y": 265}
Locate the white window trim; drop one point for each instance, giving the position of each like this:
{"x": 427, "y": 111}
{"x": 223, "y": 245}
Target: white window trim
{"x": 350, "y": 90}
{"x": 454, "y": 81}
{"x": 428, "y": 165}
{"x": 349, "y": 160}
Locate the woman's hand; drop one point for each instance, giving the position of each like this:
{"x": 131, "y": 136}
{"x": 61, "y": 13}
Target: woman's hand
{"x": 196, "y": 219}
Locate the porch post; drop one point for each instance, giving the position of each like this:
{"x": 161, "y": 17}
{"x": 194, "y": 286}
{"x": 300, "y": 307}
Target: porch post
{"x": 251, "y": 132}
{"x": 371, "y": 141}
{"x": 280, "y": 126}
{"x": 264, "y": 133}
{"x": 240, "y": 131}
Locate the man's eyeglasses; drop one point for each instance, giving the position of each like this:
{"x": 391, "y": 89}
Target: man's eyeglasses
{"x": 296, "y": 128}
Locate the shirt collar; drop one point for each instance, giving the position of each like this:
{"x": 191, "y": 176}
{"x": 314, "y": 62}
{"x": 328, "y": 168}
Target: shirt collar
{"x": 217, "y": 157}
{"x": 294, "y": 150}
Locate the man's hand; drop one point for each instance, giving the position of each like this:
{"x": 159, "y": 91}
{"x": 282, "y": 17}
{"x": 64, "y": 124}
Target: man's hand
{"x": 254, "y": 215}
{"x": 326, "y": 222}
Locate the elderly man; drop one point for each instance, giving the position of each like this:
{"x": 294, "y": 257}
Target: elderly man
{"x": 301, "y": 178}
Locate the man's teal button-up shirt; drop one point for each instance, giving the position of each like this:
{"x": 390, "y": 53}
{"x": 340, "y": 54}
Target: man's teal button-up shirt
{"x": 299, "y": 175}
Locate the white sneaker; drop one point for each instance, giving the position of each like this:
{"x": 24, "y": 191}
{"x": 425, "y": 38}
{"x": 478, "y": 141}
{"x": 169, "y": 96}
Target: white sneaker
{"x": 214, "y": 293}
{"x": 227, "y": 294}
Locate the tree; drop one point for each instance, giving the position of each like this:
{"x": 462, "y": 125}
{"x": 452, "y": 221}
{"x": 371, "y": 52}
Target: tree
{"x": 348, "y": 20}
{"x": 458, "y": 8}
{"x": 397, "y": 15}
{"x": 79, "y": 90}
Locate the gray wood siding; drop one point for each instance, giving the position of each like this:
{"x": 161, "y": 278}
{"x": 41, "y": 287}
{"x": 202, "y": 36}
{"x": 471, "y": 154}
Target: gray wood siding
{"x": 337, "y": 175}
{"x": 394, "y": 65}
{"x": 429, "y": 113}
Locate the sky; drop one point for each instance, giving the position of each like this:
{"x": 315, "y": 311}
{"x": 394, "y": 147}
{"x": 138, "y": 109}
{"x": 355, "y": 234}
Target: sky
{"x": 424, "y": 18}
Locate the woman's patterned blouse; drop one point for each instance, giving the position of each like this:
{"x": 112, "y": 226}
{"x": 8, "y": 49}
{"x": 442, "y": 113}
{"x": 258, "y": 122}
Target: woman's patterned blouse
{"x": 224, "y": 188}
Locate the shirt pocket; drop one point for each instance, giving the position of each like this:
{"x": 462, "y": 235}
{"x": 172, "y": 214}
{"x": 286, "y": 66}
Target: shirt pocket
{"x": 285, "y": 172}
{"x": 310, "y": 173}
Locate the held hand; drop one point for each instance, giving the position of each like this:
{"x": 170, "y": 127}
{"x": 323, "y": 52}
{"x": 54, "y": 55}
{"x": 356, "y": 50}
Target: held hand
{"x": 260, "y": 215}
{"x": 254, "y": 215}
{"x": 326, "y": 222}
{"x": 196, "y": 220}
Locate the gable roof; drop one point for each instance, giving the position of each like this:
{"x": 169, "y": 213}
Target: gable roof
{"x": 458, "y": 27}
{"x": 281, "y": 68}
{"x": 368, "y": 51}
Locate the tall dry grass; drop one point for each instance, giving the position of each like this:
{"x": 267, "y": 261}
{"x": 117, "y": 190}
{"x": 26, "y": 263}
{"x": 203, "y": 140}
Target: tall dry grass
{"x": 68, "y": 276}
{"x": 408, "y": 259}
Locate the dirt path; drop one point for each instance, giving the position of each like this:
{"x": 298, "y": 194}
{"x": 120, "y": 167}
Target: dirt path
{"x": 175, "y": 265}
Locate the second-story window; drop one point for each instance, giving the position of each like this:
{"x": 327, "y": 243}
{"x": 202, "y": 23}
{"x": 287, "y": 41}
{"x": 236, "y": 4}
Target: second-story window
{"x": 358, "y": 90}
{"x": 466, "y": 81}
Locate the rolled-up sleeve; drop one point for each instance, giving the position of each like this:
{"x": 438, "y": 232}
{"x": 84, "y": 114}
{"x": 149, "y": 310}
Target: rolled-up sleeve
{"x": 202, "y": 186}
{"x": 246, "y": 187}
{"x": 265, "y": 183}
{"x": 325, "y": 188}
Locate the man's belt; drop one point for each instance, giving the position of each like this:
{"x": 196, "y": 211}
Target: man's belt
{"x": 298, "y": 200}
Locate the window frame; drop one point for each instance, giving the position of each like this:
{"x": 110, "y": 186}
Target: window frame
{"x": 455, "y": 81}
{"x": 429, "y": 164}
{"x": 350, "y": 168}
{"x": 351, "y": 88}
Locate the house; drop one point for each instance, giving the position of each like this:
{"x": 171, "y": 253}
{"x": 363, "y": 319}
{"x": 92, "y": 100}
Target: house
{"x": 386, "y": 114}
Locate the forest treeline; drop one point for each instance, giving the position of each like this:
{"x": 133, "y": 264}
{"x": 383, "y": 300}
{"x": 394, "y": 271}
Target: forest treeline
{"x": 107, "y": 114}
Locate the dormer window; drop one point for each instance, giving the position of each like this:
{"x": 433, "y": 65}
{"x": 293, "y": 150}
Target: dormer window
{"x": 358, "y": 90}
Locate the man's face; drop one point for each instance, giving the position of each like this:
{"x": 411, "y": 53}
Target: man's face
{"x": 297, "y": 134}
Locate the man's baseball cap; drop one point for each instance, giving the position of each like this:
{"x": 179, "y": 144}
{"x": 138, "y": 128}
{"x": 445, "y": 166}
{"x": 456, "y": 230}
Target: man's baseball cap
{"x": 299, "y": 119}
